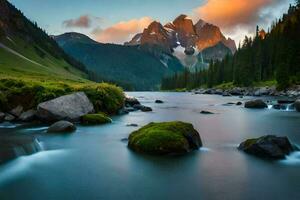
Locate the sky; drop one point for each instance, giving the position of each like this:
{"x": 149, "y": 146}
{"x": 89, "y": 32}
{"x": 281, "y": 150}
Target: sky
{"x": 117, "y": 21}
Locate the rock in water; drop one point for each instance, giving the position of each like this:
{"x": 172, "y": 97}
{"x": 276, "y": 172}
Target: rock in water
{"x": 131, "y": 101}
{"x": 15, "y": 145}
{"x": 61, "y": 127}
{"x": 27, "y": 116}
{"x": 258, "y": 104}
{"x": 165, "y": 138}
{"x": 297, "y": 105}
{"x": 94, "y": 119}
{"x": 270, "y": 147}
{"x": 159, "y": 101}
{"x": 206, "y": 112}
{"x": 69, "y": 107}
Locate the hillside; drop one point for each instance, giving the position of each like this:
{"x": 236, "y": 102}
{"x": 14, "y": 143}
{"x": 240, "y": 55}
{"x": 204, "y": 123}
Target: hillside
{"x": 268, "y": 57}
{"x": 27, "y": 51}
{"x": 125, "y": 65}
{"x": 34, "y": 69}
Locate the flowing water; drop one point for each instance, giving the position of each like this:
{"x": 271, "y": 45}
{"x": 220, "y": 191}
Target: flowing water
{"x": 95, "y": 163}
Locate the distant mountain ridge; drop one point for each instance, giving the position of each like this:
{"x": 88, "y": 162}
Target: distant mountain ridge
{"x": 182, "y": 32}
{"x": 129, "y": 66}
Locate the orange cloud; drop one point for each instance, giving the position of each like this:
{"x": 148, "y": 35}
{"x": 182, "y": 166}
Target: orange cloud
{"x": 229, "y": 13}
{"x": 122, "y": 31}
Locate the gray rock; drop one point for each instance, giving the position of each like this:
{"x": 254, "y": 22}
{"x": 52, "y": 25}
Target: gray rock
{"x": 236, "y": 92}
{"x": 159, "y": 101}
{"x": 2, "y": 116}
{"x": 132, "y": 125}
{"x": 8, "y": 117}
{"x": 258, "y": 104}
{"x": 28, "y": 116}
{"x": 16, "y": 111}
{"x": 131, "y": 101}
{"x": 270, "y": 147}
{"x": 239, "y": 103}
{"x": 206, "y": 112}
{"x": 146, "y": 109}
{"x": 61, "y": 127}
{"x": 297, "y": 105}
{"x": 69, "y": 107}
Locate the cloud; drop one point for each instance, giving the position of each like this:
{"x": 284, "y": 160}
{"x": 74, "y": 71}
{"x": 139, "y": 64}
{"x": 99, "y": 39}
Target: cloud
{"x": 83, "y": 21}
{"x": 122, "y": 31}
{"x": 235, "y": 15}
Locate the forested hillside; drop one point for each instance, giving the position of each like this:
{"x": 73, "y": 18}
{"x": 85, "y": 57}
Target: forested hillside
{"x": 273, "y": 56}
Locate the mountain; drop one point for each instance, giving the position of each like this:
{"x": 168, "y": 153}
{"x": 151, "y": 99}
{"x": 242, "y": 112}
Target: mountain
{"x": 217, "y": 52}
{"x": 184, "y": 36}
{"x": 129, "y": 66}
{"x": 27, "y": 51}
{"x": 269, "y": 58}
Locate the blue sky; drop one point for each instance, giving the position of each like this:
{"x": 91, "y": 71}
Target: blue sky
{"x": 51, "y": 15}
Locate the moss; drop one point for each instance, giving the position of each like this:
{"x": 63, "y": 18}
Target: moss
{"x": 93, "y": 119}
{"x": 165, "y": 138}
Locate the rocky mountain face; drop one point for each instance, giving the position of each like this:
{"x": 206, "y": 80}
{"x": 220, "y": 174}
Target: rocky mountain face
{"x": 193, "y": 38}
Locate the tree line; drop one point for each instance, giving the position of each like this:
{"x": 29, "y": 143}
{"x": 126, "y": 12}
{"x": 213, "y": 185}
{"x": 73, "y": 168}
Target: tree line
{"x": 268, "y": 56}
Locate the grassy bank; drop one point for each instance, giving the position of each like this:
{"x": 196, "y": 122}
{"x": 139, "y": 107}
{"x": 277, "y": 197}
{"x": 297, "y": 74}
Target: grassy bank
{"x": 29, "y": 93}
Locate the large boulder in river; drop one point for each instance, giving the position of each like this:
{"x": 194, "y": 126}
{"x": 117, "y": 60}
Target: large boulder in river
{"x": 165, "y": 138}
{"x": 69, "y": 107}
{"x": 61, "y": 127}
{"x": 270, "y": 147}
{"x": 16, "y": 111}
{"x": 258, "y": 104}
{"x": 297, "y": 105}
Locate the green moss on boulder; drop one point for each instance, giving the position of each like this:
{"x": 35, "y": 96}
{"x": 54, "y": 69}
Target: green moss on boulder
{"x": 165, "y": 138}
{"x": 93, "y": 119}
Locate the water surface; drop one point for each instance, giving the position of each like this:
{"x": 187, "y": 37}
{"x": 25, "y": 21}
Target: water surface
{"x": 93, "y": 163}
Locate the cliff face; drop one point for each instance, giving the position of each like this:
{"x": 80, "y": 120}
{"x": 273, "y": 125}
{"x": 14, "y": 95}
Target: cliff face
{"x": 182, "y": 32}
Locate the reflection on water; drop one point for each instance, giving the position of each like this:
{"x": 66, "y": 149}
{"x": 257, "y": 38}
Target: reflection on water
{"x": 100, "y": 166}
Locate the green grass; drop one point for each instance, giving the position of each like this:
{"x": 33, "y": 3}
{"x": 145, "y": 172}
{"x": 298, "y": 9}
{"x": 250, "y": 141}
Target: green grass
{"x": 94, "y": 119}
{"x": 161, "y": 138}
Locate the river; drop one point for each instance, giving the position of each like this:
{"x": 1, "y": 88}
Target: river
{"x": 94, "y": 162}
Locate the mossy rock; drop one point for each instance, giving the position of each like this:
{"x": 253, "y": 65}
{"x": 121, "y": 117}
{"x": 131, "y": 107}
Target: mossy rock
{"x": 94, "y": 119}
{"x": 165, "y": 138}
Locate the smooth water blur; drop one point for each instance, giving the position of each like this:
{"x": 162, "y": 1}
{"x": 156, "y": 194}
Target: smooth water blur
{"x": 93, "y": 163}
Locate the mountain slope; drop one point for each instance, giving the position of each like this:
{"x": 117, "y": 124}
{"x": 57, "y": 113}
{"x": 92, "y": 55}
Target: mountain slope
{"x": 122, "y": 64}
{"x": 27, "y": 51}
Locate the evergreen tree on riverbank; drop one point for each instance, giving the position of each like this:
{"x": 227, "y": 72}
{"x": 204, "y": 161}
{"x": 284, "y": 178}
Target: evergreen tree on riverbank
{"x": 274, "y": 55}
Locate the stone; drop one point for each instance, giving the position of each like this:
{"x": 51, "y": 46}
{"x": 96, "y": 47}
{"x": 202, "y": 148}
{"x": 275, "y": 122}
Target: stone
{"x": 239, "y": 103}
{"x": 297, "y": 105}
{"x": 69, "y": 107}
{"x": 61, "y": 127}
{"x": 95, "y": 119}
{"x": 206, "y": 112}
{"x": 2, "y": 116}
{"x": 257, "y": 104}
{"x": 270, "y": 147}
{"x": 159, "y": 101}
{"x": 146, "y": 109}
{"x": 131, "y": 101}
{"x": 16, "y": 111}
{"x": 8, "y": 117}
{"x": 165, "y": 138}
{"x": 15, "y": 145}
{"x": 28, "y": 116}
{"x": 132, "y": 125}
